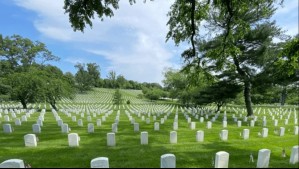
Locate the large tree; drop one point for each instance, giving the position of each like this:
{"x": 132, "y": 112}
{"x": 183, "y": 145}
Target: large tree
{"x": 94, "y": 73}
{"x": 219, "y": 93}
{"x": 56, "y": 85}
{"x": 26, "y": 87}
{"x": 241, "y": 44}
{"x": 20, "y": 75}
{"x": 21, "y": 52}
{"x": 83, "y": 78}
{"x": 112, "y": 79}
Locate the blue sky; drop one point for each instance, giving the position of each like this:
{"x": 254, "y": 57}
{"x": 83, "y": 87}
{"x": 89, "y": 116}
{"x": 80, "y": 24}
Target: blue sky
{"x": 132, "y": 43}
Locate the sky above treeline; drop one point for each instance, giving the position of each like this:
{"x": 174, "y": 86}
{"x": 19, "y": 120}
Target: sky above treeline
{"x": 132, "y": 42}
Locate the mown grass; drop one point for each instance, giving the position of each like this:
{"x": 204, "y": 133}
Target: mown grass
{"x": 53, "y": 150}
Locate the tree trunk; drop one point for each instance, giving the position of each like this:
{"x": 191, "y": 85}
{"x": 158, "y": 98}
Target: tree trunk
{"x": 283, "y": 96}
{"x": 53, "y": 105}
{"x": 247, "y": 96}
{"x": 23, "y": 102}
{"x": 218, "y": 107}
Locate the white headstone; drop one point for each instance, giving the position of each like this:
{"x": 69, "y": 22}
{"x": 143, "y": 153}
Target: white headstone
{"x": 64, "y": 128}
{"x": 111, "y": 139}
{"x": 221, "y": 159}
{"x": 294, "y": 155}
{"x": 73, "y": 139}
{"x": 74, "y": 118}
{"x": 264, "y": 123}
{"x": 30, "y": 140}
{"x": 90, "y": 128}
{"x": 36, "y": 128}
{"x": 59, "y": 122}
{"x": 162, "y": 120}
{"x": 89, "y": 118}
{"x": 39, "y": 122}
{"x": 281, "y": 131}
{"x": 245, "y": 134}
{"x": 24, "y": 118}
{"x": 114, "y": 127}
{"x": 296, "y": 130}
{"x": 18, "y": 122}
{"x": 173, "y": 137}
{"x": 224, "y": 135}
{"x": 80, "y": 122}
{"x": 263, "y": 158}
{"x": 144, "y": 137}
{"x": 209, "y": 125}
{"x": 200, "y": 136}
{"x": 192, "y": 125}
{"x": 100, "y": 162}
{"x": 157, "y": 126}
{"x": 224, "y": 124}
{"x": 148, "y": 120}
{"x": 275, "y": 122}
{"x": 265, "y": 132}
{"x": 201, "y": 119}
{"x": 103, "y": 118}
{"x": 6, "y": 118}
{"x": 239, "y": 123}
{"x": 12, "y": 163}
{"x": 175, "y": 125}
{"x": 252, "y": 123}
{"x": 99, "y": 122}
{"x": 286, "y": 121}
{"x": 136, "y": 127}
{"x": 168, "y": 161}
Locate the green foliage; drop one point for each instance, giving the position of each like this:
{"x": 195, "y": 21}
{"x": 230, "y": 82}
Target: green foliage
{"x": 128, "y": 102}
{"x": 94, "y": 72}
{"x": 117, "y": 97}
{"x": 26, "y": 87}
{"x": 56, "y": 85}
{"x": 288, "y": 60}
{"x": 83, "y": 78}
{"x": 22, "y": 52}
{"x": 219, "y": 93}
{"x": 81, "y": 12}
{"x": 153, "y": 93}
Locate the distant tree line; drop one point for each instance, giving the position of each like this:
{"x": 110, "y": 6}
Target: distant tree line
{"x": 88, "y": 76}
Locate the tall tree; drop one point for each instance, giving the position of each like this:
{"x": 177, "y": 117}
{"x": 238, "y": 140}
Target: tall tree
{"x": 83, "y": 79}
{"x": 219, "y": 93}
{"x": 26, "y": 87}
{"x": 121, "y": 81}
{"x": 56, "y": 85}
{"x": 117, "y": 97}
{"x": 22, "y": 52}
{"x": 94, "y": 72}
{"x": 241, "y": 44}
{"x": 112, "y": 78}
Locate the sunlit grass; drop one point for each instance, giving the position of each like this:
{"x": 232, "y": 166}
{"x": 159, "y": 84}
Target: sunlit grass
{"x": 53, "y": 149}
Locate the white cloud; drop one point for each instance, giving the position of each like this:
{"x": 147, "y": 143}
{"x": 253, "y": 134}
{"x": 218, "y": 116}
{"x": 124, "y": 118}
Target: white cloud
{"x": 287, "y": 17}
{"x": 133, "y": 40}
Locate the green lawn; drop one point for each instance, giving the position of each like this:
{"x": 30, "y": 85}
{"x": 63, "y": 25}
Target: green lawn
{"x": 53, "y": 149}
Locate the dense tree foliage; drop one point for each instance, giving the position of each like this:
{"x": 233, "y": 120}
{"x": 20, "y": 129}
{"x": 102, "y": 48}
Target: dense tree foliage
{"x": 117, "y": 97}
{"x": 24, "y": 76}
{"x": 219, "y": 93}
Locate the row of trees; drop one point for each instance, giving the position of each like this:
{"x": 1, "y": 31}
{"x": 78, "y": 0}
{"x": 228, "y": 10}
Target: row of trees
{"x": 26, "y": 78}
